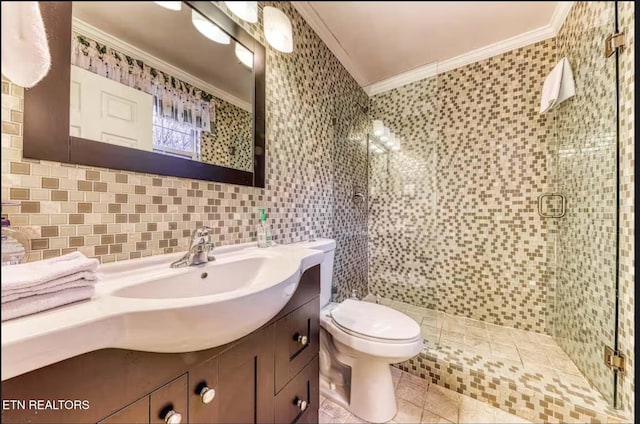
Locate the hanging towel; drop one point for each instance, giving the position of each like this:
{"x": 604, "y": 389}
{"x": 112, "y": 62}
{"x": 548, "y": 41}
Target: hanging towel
{"x": 34, "y": 274}
{"x": 33, "y": 304}
{"x": 25, "y": 50}
{"x": 558, "y": 87}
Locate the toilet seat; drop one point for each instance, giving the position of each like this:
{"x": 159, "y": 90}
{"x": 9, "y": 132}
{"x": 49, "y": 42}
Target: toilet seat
{"x": 384, "y": 349}
{"x": 374, "y": 322}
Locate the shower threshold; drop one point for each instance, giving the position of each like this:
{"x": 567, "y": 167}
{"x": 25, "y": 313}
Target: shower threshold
{"x": 522, "y": 372}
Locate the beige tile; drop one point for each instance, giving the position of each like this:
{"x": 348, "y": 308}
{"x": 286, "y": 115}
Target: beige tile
{"x": 477, "y": 344}
{"x": 452, "y": 336}
{"x": 431, "y": 418}
{"x": 430, "y": 333}
{"x": 506, "y": 351}
{"x": 473, "y": 411}
{"x": 546, "y": 339}
{"x": 475, "y": 323}
{"x": 335, "y": 411}
{"x": 395, "y": 375}
{"x": 503, "y": 417}
{"x": 353, "y": 419}
{"x": 531, "y": 357}
{"x": 412, "y": 389}
{"x": 324, "y": 418}
{"x": 407, "y": 412}
{"x": 442, "y": 402}
{"x": 565, "y": 365}
{"x": 479, "y": 332}
{"x": 503, "y": 338}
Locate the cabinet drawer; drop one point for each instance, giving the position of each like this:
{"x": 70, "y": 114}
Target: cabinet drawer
{"x": 170, "y": 397}
{"x": 304, "y": 388}
{"x": 136, "y": 413}
{"x": 297, "y": 341}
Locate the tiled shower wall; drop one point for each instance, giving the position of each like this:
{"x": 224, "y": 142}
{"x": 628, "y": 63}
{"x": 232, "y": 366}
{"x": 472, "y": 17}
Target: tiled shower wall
{"x": 351, "y": 123}
{"x": 408, "y": 247}
{"x": 117, "y": 215}
{"x": 453, "y": 220}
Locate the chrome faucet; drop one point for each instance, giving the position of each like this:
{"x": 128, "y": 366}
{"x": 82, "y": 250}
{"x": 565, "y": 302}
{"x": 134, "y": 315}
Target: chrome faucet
{"x": 199, "y": 249}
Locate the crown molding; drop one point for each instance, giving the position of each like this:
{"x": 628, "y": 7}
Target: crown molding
{"x": 543, "y": 33}
{"x": 309, "y": 14}
{"x": 131, "y": 50}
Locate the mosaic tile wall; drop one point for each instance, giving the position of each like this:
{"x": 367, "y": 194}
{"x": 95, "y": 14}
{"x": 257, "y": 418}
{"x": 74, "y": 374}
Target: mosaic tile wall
{"x": 402, "y": 206}
{"x": 230, "y": 143}
{"x": 453, "y": 220}
{"x": 116, "y": 215}
{"x": 583, "y": 316}
{"x": 626, "y": 272}
{"x": 350, "y": 213}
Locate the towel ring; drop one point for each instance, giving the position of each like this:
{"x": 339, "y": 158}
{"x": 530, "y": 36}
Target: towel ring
{"x": 563, "y": 207}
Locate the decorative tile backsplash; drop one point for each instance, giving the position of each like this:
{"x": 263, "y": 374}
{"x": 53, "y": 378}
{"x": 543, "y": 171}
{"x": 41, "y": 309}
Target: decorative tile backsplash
{"x": 453, "y": 220}
{"x": 115, "y": 215}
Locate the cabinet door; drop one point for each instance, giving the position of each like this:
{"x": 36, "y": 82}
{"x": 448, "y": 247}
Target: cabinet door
{"x": 298, "y": 401}
{"x": 136, "y": 413}
{"x": 245, "y": 380}
{"x": 168, "y": 398}
{"x": 297, "y": 341}
{"x": 203, "y": 393}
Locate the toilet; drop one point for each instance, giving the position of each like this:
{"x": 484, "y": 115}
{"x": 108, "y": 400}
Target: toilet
{"x": 358, "y": 343}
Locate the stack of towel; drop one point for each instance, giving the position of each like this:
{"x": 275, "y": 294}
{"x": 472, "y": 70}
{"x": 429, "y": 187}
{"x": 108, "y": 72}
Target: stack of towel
{"x": 38, "y": 286}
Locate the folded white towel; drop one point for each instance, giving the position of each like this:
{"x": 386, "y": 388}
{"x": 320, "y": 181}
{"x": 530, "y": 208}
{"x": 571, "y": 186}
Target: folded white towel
{"x": 79, "y": 279}
{"x": 31, "y": 275}
{"x": 558, "y": 86}
{"x": 25, "y": 50}
{"x": 33, "y": 304}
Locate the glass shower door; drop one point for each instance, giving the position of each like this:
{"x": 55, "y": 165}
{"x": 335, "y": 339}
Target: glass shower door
{"x": 584, "y": 314}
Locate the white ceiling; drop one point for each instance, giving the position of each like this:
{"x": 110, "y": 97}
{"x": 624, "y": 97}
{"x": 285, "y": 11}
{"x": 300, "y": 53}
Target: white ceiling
{"x": 378, "y": 41}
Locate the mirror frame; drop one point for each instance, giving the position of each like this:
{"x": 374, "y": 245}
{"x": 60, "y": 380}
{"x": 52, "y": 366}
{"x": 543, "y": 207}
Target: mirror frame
{"x": 46, "y": 112}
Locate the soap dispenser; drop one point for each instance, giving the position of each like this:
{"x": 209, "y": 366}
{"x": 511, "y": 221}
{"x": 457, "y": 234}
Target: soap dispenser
{"x": 15, "y": 244}
{"x": 264, "y": 232}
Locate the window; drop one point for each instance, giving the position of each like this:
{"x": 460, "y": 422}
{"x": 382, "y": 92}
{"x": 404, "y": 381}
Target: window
{"x": 175, "y": 138}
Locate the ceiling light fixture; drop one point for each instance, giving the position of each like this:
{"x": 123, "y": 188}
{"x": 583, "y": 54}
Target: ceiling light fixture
{"x": 208, "y": 29}
{"x": 171, "y": 5}
{"x": 244, "y": 55}
{"x": 277, "y": 29}
{"x": 245, "y": 10}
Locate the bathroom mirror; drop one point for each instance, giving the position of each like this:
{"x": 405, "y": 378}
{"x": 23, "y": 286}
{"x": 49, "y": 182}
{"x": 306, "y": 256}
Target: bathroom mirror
{"x": 169, "y": 88}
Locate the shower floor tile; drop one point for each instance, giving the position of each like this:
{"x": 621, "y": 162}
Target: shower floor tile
{"x": 531, "y": 362}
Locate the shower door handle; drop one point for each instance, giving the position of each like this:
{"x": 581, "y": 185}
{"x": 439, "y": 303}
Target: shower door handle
{"x": 563, "y": 205}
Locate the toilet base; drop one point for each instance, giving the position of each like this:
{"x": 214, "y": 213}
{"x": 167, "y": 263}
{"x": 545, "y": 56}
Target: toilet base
{"x": 367, "y": 392}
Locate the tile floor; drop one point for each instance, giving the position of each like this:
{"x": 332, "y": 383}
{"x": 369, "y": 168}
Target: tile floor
{"x": 533, "y": 358}
{"x": 421, "y": 402}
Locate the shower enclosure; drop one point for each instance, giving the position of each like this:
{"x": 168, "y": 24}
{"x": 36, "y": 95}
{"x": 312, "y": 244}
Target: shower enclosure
{"x": 497, "y": 227}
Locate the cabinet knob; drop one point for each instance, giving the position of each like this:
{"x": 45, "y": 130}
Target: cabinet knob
{"x": 173, "y": 417}
{"x": 303, "y": 340}
{"x": 207, "y": 394}
{"x": 302, "y": 404}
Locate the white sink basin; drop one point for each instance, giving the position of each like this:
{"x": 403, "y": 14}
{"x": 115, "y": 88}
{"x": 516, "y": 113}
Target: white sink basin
{"x": 143, "y": 304}
{"x": 212, "y": 278}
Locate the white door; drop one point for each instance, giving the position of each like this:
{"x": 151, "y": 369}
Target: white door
{"x": 105, "y": 110}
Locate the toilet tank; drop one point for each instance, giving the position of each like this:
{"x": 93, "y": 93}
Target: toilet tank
{"x": 328, "y": 246}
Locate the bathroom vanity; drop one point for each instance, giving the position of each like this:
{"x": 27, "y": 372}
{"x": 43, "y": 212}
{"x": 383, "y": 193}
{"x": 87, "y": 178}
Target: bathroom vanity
{"x": 269, "y": 375}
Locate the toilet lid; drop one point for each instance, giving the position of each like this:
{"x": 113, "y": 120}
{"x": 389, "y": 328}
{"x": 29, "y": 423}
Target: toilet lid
{"x": 373, "y": 320}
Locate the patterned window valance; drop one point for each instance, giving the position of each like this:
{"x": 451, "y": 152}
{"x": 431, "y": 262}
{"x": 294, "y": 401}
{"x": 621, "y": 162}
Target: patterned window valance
{"x": 172, "y": 98}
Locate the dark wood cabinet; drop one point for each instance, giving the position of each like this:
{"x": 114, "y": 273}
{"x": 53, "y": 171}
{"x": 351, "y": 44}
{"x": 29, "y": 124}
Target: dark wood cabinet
{"x": 262, "y": 378}
{"x": 136, "y": 413}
